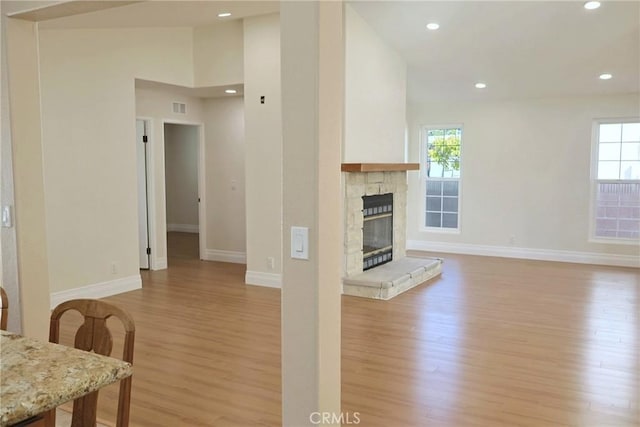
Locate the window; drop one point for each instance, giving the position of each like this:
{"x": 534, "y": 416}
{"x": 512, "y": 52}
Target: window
{"x": 616, "y": 179}
{"x": 441, "y": 171}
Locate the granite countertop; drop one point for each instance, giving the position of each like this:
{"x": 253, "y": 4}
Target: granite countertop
{"x": 36, "y": 376}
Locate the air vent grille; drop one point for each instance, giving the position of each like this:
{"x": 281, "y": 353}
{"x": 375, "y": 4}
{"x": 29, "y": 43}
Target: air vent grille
{"x": 179, "y": 108}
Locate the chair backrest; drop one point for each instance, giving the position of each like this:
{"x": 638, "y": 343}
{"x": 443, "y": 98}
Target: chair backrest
{"x": 4, "y": 309}
{"x": 94, "y": 336}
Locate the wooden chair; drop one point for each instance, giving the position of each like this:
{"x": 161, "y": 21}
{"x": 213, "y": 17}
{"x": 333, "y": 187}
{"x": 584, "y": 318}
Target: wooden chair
{"x": 94, "y": 336}
{"x": 4, "y": 309}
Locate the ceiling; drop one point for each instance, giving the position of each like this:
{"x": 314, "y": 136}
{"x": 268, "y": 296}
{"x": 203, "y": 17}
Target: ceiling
{"x": 520, "y": 49}
{"x": 194, "y": 92}
{"x": 164, "y": 14}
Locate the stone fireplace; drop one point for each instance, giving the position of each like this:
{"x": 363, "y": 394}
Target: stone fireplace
{"x": 376, "y": 265}
{"x": 362, "y": 184}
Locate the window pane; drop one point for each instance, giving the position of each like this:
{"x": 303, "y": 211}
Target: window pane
{"x": 629, "y": 194}
{"x": 613, "y": 212}
{"x": 450, "y": 204}
{"x": 443, "y": 152}
{"x": 434, "y": 188}
{"x": 609, "y": 151}
{"x": 434, "y": 203}
{"x": 630, "y": 170}
{"x": 611, "y": 132}
{"x": 629, "y": 225}
{"x": 629, "y": 213}
{"x": 606, "y": 224}
{"x": 618, "y": 210}
{"x": 629, "y": 234}
{"x": 434, "y": 169}
{"x": 630, "y": 151}
{"x": 450, "y": 220}
{"x": 452, "y": 166}
{"x": 631, "y": 132}
{"x": 608, "y": 170}
{"x": 450, "y": 188}
{"x": 433, "y": 220}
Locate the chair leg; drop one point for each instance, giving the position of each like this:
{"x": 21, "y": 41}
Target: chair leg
{"x": 85, "y": 410}
{"x": 124, "y": 402}
{"x": 50, "y": 418}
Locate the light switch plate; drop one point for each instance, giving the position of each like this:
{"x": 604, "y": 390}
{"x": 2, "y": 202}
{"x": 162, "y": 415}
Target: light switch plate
{"x": 300, "y": 242}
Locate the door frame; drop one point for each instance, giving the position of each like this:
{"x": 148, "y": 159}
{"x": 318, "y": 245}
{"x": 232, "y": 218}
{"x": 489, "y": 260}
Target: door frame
{"x": 154, "y": 263}
{"x": 202, "y": 212}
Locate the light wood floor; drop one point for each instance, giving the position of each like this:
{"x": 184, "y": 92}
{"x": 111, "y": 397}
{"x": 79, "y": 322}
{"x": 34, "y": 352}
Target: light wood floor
{"x": 183, "y": 245}
{"x": 493, "y": 342}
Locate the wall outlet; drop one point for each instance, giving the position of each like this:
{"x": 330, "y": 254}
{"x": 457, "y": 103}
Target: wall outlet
{"x": 271, "y": 263}
{"x": 114, "y": 268}
{"x": 512, "y": 239}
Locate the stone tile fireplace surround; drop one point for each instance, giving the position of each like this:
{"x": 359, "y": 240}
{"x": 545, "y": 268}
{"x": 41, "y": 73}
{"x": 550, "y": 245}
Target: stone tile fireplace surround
{"x": 403, "y": 273}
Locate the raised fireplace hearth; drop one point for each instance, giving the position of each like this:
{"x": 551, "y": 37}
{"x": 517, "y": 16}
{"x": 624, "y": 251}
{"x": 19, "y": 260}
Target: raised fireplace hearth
{"x": 388, "y": 280}
{"x": 376, "y": 265}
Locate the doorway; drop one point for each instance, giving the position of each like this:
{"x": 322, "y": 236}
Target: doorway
{"x": 182, "y": 190}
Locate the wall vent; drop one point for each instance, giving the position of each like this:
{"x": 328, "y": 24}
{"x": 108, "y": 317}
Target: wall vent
{"x": 179, "y": 108}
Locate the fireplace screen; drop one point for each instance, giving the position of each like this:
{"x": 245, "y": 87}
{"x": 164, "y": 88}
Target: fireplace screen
{"x": 377, "y": 233}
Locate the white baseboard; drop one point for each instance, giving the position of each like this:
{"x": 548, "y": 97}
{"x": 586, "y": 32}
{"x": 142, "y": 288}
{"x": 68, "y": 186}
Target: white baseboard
{"x": 159, "y": 264}
{"x": 98, "y": 290}
{"x": 526, "y": 253}
{"x": 258, "y": 278}
{"x": 225, "y": 256}
{"x": 184, "y": 228}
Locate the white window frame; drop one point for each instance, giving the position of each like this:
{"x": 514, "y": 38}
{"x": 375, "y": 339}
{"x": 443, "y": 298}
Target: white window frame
{"x": 595, "y": 146}
{"x": 423, "y": 180}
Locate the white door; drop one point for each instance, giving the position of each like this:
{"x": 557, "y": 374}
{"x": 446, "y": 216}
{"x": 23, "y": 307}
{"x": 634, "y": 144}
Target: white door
{"x": 143, "y": 211}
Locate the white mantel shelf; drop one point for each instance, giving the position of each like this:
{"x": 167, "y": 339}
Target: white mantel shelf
{"x": 379, "y": 167}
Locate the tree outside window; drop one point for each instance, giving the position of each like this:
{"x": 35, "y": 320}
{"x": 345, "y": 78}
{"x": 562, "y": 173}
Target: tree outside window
{"x": 443, "y": 152}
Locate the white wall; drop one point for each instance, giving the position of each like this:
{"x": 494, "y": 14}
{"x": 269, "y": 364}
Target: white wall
{"x": 156, "y": 104}
{"x": 29, "y": 191}
{"x": 375, "y": 96}
{"x": 217, "y": 54}
{"x": 225, "y": 175}
{"x": 263, "y": 145}
{"x": 88, "y": 106}
{"x": 525, "y": 173}
{"x": 313, "y": 102}
{"x": 181, "y": 146}
{"x": 8, "y": 238}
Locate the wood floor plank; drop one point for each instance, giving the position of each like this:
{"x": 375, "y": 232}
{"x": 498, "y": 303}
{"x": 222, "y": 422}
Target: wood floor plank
{"x": 493, "y": 342}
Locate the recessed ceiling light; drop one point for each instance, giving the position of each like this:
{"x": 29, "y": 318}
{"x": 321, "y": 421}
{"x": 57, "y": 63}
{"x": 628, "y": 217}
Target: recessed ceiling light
{"x": 230, "y": 91}
{"x": 605, "y": 76}
{"x": 481, "y": 85}
{"x": 224, "y": 14}
{"x": 590, "y": 5}
{"x": 433, "y": 26}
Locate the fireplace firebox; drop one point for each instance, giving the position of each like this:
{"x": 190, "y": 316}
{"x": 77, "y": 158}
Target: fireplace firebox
{"x": 377, "y": 232}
